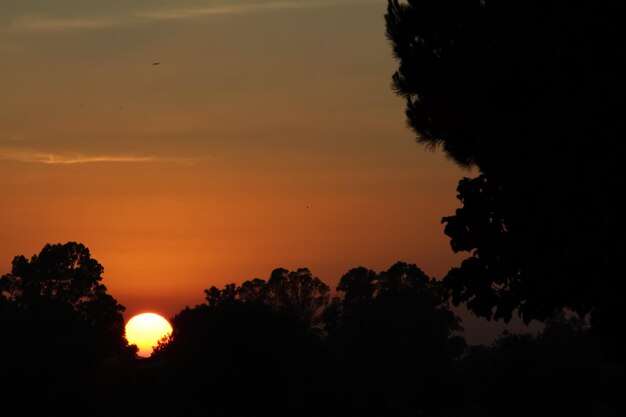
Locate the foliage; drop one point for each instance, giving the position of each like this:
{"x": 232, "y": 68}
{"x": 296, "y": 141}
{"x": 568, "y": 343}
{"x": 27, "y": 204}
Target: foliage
{"x": 64, "y": 283}
{"x": 394, "y": 326}
{"x": 530, "y": 94}
{"x": 296, "y": 293}
{"x": 389, "y": 346}
{"x": 58, "y": 324}
{"x": 563, "y": 370}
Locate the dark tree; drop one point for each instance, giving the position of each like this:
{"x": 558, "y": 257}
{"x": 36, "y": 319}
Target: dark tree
{"x": 358, "y": 287}
{"x": 393, "y": 331}
{"x": 251, "y": 349}
{"x": 66, "y": 277}
{"x": 564, "y": 370}
{"x": 530, "y": 93}
{"x": 58, "y": 326}
{"x": 214, "y": 296}
{"x": 296, "y": 293}
{"x": 252, "y": 291}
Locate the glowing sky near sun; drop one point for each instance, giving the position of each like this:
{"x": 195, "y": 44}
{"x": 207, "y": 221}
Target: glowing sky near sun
{"x": 267, "y": 136}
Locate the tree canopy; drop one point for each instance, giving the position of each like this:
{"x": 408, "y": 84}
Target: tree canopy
{"x": 530, "y": 94}
{"x": 298, "y": 294}
{"x": 394, "y": 326}
{"x": 59, "y": 326}
{"x": 64, "y": 279}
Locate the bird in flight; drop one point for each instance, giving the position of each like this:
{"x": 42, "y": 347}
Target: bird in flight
{"x": 155, "y": 63}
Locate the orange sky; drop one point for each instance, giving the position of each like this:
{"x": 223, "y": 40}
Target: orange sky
{"x": 267, "y": 136}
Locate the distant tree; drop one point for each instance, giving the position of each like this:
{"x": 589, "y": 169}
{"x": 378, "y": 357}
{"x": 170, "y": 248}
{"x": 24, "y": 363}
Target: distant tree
{"x": 251, "y": 349}
{"x": 359, "y": 286}
{"x": 296, "y": 293}
{"x": 563, "y": 370}
{"x": 214, "y": 296}
{"x": 389, "y": 293}
{"x": 530, "y": 93}
{"x": 252, "y": 291}
{"x": 394, "y": 326}
{"x": 299, "y": 294}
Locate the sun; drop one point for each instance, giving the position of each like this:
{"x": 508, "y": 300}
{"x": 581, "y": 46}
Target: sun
{"x": 145, "y": 330}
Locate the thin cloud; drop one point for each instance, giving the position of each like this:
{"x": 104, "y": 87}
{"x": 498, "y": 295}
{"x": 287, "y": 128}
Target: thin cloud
{"x": 61, "y": 160}
{"x": 56, "y": 24}
{"x": 191, "y": 13}
{"x": 53, "y": 24}
{"x": 58, "y": 159}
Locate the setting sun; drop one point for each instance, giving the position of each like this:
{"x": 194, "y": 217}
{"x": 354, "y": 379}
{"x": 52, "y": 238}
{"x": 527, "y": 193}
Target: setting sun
{"x": 145, "y": 330}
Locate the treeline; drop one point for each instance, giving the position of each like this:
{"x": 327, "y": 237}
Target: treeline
{"x": 386, "y": 344}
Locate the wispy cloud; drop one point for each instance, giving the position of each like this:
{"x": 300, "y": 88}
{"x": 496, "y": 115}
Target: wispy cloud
{"x": 55, "y": 24}
{"x": 52, "y": 159}
{"x": 191, "y": 13}
{"x": 12, "y": 138}
{"x": 30, "y": 156}
{"x": 59, "y": 24}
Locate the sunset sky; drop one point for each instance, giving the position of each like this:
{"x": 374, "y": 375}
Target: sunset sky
{"x": 267, "y": 136}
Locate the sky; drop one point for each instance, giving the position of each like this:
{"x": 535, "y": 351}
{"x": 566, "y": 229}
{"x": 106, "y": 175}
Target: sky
{"x": 191, "y": 143}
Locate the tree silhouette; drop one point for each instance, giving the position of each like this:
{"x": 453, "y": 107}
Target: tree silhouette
{"x": 66, "y": 277}
{"x": 250, "y": 349}
{"x": 58, "y": 324}
{"x": 529, "y": 93}
{"x": 296, "y": 293}
{"x": 395, "y": 327}
{"x": 563, "y": 370}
